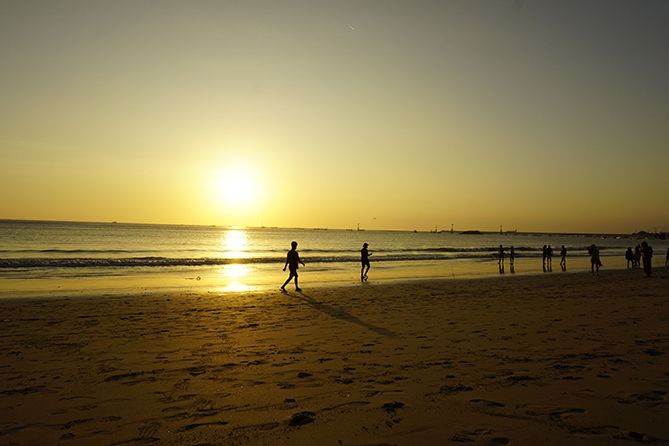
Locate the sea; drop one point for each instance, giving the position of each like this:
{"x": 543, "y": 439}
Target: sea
{"x": 54, "y": 258}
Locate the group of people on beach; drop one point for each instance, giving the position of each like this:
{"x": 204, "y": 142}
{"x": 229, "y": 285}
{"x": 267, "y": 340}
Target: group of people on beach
{"x": 642, "y": 253}
{"x": 546, "y": 255}
{"x": 293, "y": 262}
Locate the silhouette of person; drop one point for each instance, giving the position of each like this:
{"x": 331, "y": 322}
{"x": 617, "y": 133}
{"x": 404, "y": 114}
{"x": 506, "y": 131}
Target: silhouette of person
{"x": 666, "y": 262}
{"x": 637, "y": 256}
{"x": 647, "y": 255}
{"x": 629, "y": 256}
{"x": 500, "y": 259}
{"x": 292, "y": 261}
{"x": 364, "y": 259}
{"x": 595, "y": 263}
{"x": 543, "y": 257}
{"x": 549, "y": 258}
{"x": 563, "y": 258}
{"x": 512, "y": 256}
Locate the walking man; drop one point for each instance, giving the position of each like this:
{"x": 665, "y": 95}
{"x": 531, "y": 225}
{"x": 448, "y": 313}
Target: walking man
{"x": 364, "y": 259}
{"x": 292, "y": 262}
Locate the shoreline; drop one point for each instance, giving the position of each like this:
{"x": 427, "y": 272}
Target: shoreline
{"x": 246, "y": 278}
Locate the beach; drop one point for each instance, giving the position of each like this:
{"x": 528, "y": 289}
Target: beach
{"x": 562, "y": 358}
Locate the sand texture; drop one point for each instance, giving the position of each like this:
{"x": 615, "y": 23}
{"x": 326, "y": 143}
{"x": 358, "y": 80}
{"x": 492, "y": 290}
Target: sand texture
{"x": 547, "y": 359}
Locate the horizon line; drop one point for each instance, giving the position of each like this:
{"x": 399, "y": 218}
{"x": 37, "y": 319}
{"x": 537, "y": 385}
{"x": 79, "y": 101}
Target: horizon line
{"x": 458, "y": 231}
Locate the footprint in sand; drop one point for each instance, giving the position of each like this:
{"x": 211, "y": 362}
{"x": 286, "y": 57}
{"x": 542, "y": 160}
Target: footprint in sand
{"x": 470, "y": 436}
{"x": 486, "y": 403}
{"x": 604, "y": 430}
{"x": 559, "y": 414}
{"x": 452, "y": 390}
{"x": 652, "y": 396}
{"x": 302, "y": 418}
{"x": 192, "y": 426}
{"x": 183, "y": 384}
{"x": 149, "y": 429}
{"x": 391, "y": 407}
{"x": 639, "y": 437}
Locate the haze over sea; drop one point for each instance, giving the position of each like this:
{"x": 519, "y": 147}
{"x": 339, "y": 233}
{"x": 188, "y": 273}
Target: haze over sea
{"x": 72, "y": 256}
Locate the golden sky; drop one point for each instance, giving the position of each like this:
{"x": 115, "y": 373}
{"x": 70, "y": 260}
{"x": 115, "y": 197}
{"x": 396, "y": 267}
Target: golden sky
{"x": 536, "y": 115}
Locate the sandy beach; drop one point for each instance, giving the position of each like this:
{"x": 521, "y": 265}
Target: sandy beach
{"x": 541, "y": 359}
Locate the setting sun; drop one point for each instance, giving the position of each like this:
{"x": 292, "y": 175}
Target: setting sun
{"x": 237, "y": 188}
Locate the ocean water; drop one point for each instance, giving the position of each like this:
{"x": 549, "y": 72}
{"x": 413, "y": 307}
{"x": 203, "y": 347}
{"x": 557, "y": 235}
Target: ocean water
{"x": 61, "y": 254}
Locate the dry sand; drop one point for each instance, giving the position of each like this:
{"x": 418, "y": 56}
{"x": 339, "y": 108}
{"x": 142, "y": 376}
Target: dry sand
{"x": 548, "y": 359}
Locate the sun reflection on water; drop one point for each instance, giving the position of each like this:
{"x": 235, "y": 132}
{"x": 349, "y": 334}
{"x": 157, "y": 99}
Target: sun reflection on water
{"x": 233, "y": 275}
{"x": 235, "y": 271}
{"x": 235, "y": 244}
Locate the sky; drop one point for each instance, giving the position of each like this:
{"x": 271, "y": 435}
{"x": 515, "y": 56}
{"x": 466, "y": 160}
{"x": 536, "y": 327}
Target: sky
{"x": 533, "y": 115}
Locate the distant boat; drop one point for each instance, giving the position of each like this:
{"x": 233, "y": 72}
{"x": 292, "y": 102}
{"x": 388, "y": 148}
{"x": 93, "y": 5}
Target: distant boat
{"x": 471, "y": 232}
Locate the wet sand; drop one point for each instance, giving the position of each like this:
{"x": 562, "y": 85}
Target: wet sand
{"x": 265, "y": 277}
{"x": 538, "y": 359}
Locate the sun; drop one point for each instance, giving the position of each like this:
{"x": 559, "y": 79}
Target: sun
{"x": 237, "y": 188}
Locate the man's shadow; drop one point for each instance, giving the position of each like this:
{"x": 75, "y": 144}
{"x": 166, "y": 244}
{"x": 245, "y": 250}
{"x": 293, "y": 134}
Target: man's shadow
{"x": 342, "y": 314}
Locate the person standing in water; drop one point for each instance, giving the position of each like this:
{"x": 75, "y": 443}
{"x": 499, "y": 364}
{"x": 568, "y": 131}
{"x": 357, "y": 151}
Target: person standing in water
{"x": 549, "y": 258}
{"x": 594, "y": 259}
{"x": 364, "y": 259}
{"x": 629, "y": 256}
{"x": 500, "y": 259}
{"x": 646, "y": 257}
{"x": 292, "y": 262}
{"x": 563, "y": 258}
{"x": 637, "y": 256}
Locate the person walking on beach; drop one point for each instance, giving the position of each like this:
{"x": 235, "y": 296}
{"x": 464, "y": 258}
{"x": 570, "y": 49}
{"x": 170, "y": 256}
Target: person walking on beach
{"x": 563, "y": 258}
{"x": 595, "y": 263}
{"x": 543, "y": 257}
{"x": 549, "y": 258}
{"x": 500, "y": 259}
{"x": 364, "y": 259}
{"x": 292, "y": 262}
{"x": 629, "y": 256}
{"x": 666, "y": 262}
{"x": 647, "y": 256}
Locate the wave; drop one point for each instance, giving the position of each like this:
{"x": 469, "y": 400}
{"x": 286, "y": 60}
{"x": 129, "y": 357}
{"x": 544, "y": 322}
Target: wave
{"x": 132, "y": 262}
{"x": 445, "y": 249}
{"x": 83, "y": 251}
